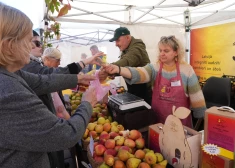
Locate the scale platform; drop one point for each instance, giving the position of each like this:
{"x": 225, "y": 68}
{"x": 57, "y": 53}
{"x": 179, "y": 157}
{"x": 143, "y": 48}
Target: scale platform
{"x": 127, "y": 102}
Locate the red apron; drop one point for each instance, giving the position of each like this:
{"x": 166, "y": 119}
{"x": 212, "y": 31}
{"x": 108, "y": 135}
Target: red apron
{"x": 167, "y": 93}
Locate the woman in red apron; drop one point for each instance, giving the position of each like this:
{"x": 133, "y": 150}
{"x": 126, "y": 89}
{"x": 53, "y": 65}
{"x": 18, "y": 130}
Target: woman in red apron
{"x": 175, "y": 82}
{"x": 168, "y": 93}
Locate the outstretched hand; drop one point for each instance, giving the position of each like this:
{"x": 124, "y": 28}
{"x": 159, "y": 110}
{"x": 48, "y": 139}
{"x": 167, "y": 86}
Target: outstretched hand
{"x": 94, "y": 59}
{"x": 111, "y": 69}
{"x": 85, "y": 79}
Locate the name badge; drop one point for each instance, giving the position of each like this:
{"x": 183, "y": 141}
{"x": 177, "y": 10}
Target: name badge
{"x": 176, "y": 83}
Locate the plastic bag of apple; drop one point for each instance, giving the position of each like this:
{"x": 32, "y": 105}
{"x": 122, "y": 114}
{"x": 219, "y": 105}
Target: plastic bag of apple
{"x": 125, "y": 149}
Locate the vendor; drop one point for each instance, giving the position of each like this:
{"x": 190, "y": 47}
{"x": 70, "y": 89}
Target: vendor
{"x": 133, "y": 54}
{"x": 175, "y": 82}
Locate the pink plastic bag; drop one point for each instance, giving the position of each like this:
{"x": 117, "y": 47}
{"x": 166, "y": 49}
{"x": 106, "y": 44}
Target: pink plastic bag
{"x": 101, "y": 91}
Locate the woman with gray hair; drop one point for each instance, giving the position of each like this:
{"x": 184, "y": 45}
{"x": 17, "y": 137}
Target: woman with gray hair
{"x": 28, "y": 129}
{"x": 51, "y": 57}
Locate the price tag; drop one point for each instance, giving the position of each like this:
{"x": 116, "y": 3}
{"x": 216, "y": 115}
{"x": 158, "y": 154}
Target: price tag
{"x": 91, "y": 146}
{"x": 211, "y": 149}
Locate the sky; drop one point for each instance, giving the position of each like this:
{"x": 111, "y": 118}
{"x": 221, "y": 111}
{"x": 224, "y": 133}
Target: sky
{"x": 34, "y": 9}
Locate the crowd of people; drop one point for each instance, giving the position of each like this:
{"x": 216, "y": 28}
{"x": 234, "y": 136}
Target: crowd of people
{"x": 38, "y": 129}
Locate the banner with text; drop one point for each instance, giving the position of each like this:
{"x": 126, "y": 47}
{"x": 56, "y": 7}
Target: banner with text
{"x": 212, "y": 51}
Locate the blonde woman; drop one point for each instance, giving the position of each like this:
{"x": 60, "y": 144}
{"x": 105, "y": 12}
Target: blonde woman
{"x": 28, "y": 129}
{"x": 175, "y": 82}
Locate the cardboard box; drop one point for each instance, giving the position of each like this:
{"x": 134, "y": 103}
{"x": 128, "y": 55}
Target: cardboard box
{"x": 153, "y": 137}
{"x": 193, "y": 138}
{"x": 219, "y": 128}
{"x": 210, "y": 161}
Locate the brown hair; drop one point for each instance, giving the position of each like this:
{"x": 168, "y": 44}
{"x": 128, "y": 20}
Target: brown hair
{"x": 14, "y": 27}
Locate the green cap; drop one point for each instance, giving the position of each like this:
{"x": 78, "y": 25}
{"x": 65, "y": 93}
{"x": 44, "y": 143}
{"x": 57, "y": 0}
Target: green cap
{"x": 121, "y": 31}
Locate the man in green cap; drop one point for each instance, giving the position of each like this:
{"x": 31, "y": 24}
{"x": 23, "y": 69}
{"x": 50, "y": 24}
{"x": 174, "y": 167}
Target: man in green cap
{"x": 133, "y": 54}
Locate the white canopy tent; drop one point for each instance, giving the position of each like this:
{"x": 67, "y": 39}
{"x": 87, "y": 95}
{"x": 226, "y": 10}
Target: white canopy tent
{"x": 104, "y": 16}
{"x": 93, "y": 22}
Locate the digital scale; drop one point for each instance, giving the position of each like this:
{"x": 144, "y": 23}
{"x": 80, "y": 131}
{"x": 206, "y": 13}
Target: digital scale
{"x": 126, "y": 102}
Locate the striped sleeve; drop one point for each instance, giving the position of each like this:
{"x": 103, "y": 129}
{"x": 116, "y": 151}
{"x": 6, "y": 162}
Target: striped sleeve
{"x": 196, "y": 96}
{"x": 142, "y": 74}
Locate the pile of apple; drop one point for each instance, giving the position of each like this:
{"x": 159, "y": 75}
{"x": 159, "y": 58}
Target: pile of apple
{"x": 99, "y": 110}
{"x": 75, "y": 100}
{"x": 101, "y": 128}
{"x": 125, "y": 149}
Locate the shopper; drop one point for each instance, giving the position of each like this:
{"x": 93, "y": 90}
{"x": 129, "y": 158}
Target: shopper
{"x": 51, "y": 58}
{"x": 175, "y": 82}
{"x": 36, "y": 66}
{"x": 28, "y": 129}
{"x": 94, "y": 50}
{"x": 133, "y": 54}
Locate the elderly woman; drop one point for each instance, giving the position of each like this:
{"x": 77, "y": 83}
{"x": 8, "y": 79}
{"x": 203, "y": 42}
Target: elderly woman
{"x": 28, "y": 129}
{"x": 175, "y": 82}
{"x": 51, "y": 57}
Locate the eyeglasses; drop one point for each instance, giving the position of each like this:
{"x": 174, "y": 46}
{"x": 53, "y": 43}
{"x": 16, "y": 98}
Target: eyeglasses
{"x": 57, "y": 60}
{"x": 37, "y": 43}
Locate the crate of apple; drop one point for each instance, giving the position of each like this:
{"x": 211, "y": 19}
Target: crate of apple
{"x": 125, "y": 151}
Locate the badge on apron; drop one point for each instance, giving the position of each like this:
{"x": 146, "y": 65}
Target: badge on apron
{"x": 176, "y": 83}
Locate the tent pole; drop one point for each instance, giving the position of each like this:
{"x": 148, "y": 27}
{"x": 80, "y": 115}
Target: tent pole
{"x": 98, "y": 15}
{"x": 91, "y": 39}
{"x": 81, "y": 14}
{"x": 148, "y": 11}
{"x": 101, "y": 3}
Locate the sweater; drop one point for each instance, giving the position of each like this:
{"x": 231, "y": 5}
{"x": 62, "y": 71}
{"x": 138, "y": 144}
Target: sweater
{"x": 190, "y": 82}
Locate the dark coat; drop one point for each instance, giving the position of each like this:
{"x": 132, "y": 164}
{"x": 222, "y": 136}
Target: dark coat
{"x": 28, "y": 129}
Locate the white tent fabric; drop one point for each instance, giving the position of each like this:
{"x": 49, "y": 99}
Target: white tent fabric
{"x": 93, "y": 21}
{"x": 106, "y": 15}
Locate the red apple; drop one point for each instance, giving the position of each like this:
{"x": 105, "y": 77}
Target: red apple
{"x": 104, "y": 136}
{"x": 129, "y": 142}
{"x": 113, "y": 135}
{"x": 117, "y": 147}
{"x": 107, "y": 127}
{"x": 99, "y": 150}
{"x": 134, "y": 134}
{"x": 112, "y": 152}
{"x": 126, "y": 148}
{"x": 99, "y": 158}
{"x": 93, "y": 134}
{"x": 139, "y": 154}
{"x": 110, "y": 144}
